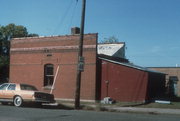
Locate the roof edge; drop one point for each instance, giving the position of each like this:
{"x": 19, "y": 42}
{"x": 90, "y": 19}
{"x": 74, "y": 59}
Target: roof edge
{"x": 39, "y": 37}
{"x": 132, "y": 66}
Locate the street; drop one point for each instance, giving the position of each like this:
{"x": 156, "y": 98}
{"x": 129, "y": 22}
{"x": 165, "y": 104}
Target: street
{"x": 11, "y": 113}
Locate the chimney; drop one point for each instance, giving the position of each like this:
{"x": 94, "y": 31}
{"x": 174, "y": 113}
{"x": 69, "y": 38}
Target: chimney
{"x": 75, "y": 30}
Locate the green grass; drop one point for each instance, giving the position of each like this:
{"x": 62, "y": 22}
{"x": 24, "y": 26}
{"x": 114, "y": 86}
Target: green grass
{"x": 102, "y": 107}
{"x": 173, "y": 105}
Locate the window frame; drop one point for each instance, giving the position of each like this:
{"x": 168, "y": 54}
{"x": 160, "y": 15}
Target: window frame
{"x": 10, "y": 86}
{"x": 48, "y": 74}
{"x": 4, "y": 86}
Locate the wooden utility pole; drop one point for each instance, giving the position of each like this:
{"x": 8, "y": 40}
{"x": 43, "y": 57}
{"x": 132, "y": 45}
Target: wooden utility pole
{"x": 80, "y": 66}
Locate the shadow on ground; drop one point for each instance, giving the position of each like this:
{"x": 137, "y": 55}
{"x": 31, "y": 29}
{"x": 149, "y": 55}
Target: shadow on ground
{"x": 59, "y": 106}
{"x": 44, "y": 106}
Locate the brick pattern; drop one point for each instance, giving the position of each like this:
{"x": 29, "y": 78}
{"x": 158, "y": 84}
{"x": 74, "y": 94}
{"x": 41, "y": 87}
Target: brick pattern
{"x": 29, "y": 55}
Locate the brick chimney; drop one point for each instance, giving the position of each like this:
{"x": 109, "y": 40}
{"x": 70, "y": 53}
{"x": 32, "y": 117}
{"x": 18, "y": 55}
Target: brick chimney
{"x": 75, "y": 30}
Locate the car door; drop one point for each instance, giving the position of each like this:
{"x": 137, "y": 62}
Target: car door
{"x": 10, "y": 91}
{"x": 3, "y": 88}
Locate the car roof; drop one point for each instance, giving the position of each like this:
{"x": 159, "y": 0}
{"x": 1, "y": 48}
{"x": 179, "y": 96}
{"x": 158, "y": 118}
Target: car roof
{"x": 18, "y": 84}
{"x": 8, "y": 83}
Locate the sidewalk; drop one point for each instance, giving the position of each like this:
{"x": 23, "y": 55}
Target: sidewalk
{"x": 144, "y": 110}
{"x": 131, "y": 109}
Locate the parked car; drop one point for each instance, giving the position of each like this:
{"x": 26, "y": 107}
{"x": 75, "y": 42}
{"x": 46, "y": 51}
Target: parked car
{"x": 18, "y": 94}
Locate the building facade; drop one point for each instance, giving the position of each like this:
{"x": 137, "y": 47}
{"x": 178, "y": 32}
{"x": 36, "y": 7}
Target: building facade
{"x": 172, "y": 79}
{"x": 37, "y": 60}
{"x": 126, "y": 82}
{"x": 50, "y": 63}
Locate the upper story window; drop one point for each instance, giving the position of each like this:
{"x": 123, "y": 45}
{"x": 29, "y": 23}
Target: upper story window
{"x": 48, "y": 74}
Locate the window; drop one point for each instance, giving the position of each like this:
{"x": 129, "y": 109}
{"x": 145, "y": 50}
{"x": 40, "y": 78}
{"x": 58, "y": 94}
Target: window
{"x": 172, "y": 85}
{"x": 3, "y": 86}
{"x": 28, "y": 87}
{"x": 48, "y": 74}
{"x": 12, "y": 87}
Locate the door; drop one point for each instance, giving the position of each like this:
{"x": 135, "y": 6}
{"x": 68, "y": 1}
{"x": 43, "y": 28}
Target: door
{"x": 10, "y": 91}
{"x": 3, "y": 89}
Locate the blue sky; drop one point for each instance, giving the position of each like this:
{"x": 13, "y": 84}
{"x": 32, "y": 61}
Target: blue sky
{"x": 150, "y": 28}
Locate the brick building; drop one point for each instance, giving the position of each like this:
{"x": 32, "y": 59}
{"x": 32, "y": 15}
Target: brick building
{"x": 172, "y": 79}
{"x": 35, "y": 61}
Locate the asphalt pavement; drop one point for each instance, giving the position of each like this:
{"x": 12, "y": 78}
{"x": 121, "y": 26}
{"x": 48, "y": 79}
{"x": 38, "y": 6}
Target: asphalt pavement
{"x": 52, "y": 113}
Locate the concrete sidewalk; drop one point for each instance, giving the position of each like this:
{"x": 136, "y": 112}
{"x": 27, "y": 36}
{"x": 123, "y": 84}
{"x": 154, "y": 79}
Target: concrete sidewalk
{"x": 144, "y": 110}
{"x": 131, "y": 109}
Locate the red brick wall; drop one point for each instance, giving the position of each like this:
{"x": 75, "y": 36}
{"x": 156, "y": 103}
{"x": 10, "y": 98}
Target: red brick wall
{"x": 29, "y": 55}
{"x": 125, "y": 84}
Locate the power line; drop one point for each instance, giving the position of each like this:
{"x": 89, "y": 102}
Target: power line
{"x": 72, "y": 16}
{"x": 63, "y": 17}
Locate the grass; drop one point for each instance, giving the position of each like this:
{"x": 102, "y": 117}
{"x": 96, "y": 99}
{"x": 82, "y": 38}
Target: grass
{"x": 172, "y": 105}
{"x": 102, "y": 107}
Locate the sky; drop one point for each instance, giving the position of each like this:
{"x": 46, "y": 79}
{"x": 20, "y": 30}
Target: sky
{"x": 150, "y": 28}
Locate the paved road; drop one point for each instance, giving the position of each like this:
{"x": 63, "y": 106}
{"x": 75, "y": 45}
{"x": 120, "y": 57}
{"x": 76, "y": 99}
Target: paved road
{"x": 11, "y": 113}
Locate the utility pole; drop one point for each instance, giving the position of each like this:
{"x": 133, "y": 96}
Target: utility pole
{"x": 80, "y": 66}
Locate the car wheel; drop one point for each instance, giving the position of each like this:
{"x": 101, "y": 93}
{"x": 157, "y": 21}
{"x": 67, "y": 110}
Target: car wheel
{"x": 18, "y": 101}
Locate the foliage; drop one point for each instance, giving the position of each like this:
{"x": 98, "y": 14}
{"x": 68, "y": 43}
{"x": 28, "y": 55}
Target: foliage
{"x": 111, "y": 39}
{"x": 6, "y": 34}
{"x": 33, "y": 35}
{"x": 13, "y": 31}
{"x": 4, "y": 60}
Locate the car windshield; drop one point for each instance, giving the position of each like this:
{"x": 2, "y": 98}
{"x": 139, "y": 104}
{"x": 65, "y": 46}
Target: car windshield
{"x": 28, "y": 87}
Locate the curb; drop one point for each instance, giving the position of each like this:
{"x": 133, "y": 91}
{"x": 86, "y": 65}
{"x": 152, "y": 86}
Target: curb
{"x": 145, "y": 110}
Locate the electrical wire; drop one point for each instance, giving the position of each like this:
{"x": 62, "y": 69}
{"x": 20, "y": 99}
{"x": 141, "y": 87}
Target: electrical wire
{"x": 63, "y": 17}
{"x": 73, "y": 14}
{"x": 68, "y": 24}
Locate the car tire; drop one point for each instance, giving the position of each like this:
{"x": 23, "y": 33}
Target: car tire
{"x": 18, "y": 101}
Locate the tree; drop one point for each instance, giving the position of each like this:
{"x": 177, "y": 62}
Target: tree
{"x": 111, "y": 39}
{"x": 33, "y": 35}
{"x": 6, "y": 34}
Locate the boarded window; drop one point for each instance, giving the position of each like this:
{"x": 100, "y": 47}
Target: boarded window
{"x": 48, "y": 74}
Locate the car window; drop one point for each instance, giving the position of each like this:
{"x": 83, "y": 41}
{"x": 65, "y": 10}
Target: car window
{"x": 28, "y": 87}
{"x": 3, "y": 86}
{"x": 12, "y": 87}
